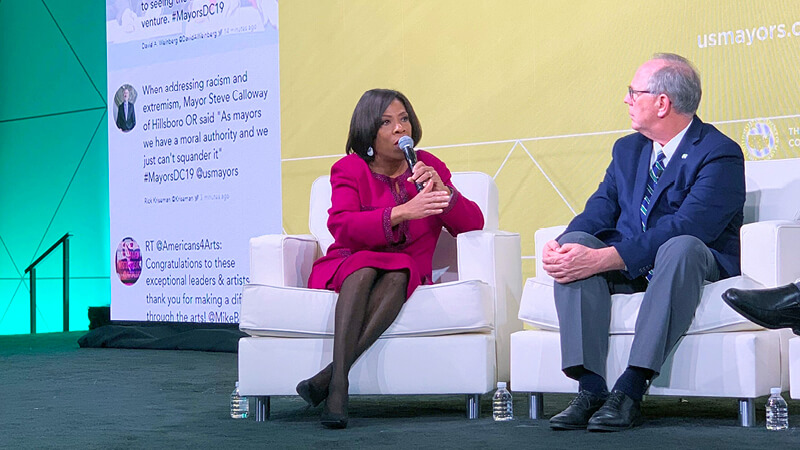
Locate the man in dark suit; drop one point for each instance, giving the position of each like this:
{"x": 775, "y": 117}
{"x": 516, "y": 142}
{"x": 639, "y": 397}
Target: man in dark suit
{"x": 665, "y": 218}
{"x": 126, "y": 117}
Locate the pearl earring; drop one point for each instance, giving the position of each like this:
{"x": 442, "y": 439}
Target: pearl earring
{"x": 370, "y": 152}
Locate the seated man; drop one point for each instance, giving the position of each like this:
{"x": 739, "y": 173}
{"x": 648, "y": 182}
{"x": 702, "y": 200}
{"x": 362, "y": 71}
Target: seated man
{"x": 665, "y": 218}
{"x": 771, "y": 308}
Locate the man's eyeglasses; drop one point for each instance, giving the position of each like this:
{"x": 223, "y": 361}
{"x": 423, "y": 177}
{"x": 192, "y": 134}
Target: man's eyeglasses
{"x": 634, "y": 94}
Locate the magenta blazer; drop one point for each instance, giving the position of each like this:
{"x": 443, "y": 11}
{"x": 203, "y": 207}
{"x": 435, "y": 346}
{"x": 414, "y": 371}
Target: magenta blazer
{"x": 359, "y": 220}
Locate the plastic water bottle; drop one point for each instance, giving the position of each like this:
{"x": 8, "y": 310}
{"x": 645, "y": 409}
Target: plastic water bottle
{"x": 777, "y": 411}
{"x": 502, "y": 404}
{"x": 240, "y": 408}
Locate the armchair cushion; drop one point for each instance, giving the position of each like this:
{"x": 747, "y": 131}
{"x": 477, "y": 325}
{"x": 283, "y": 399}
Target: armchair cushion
{"x": 713, "y": 315}
{"x": 447, "y": 308}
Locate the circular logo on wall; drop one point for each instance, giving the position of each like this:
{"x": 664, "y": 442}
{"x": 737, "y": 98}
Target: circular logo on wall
{"x": 128, "y": 261}
{"x": 760, "y": 139}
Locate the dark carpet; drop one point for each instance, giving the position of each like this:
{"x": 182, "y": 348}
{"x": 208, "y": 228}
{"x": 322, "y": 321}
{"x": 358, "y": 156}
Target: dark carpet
{"x": 57, "y": 395}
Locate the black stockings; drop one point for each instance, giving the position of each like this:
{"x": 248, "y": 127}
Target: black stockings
{"x": 368, "y": 304}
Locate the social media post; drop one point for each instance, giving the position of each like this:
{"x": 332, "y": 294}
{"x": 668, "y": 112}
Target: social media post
{"x": 178, "y": 280}
{"x": 164, "y": 23}
{"x": 202, "y": 132}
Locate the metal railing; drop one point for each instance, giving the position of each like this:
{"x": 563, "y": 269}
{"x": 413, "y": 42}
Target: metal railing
{"x": 32, "y": 269}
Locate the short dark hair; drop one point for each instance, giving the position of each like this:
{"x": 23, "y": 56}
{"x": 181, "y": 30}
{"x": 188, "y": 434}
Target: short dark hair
{"x": 366, "y": 120}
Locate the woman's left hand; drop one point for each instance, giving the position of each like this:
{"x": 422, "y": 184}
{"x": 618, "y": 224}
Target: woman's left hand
{"x": 425, "y": 174}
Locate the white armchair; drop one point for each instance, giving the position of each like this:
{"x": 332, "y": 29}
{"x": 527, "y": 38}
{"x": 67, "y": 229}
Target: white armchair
{"x": 450, "y": 338}
{"x": 722, "y": 353}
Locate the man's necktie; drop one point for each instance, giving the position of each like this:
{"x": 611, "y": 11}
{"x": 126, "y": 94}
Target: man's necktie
{"x": 654, "y": 174}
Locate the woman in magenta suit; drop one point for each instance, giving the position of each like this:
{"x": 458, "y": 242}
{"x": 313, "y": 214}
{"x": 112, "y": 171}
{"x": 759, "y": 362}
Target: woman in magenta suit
{"x": 385, "y": 233}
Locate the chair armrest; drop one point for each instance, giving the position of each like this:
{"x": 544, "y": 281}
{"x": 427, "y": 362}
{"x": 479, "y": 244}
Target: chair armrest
{"x": 541, "y": 237}
{"x": 282, "y": 260}
{"x": 495, "y": 258}
{"x": 770, "y": 252}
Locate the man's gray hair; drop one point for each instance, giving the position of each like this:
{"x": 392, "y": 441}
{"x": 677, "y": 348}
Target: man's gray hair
{"x": 679, "y": 80}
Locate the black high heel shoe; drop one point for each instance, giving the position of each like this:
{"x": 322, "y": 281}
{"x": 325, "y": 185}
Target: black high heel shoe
{"x": 307, "y": 392}
{"x": 335, "y": 421}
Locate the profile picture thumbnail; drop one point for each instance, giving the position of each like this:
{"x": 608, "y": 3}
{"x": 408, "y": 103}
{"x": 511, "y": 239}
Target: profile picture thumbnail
{"x": 128, "y": 261}
{"x": 124, "y": 100}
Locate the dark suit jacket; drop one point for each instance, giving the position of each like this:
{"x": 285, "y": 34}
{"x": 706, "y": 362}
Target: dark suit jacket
{"x": 701, "y": 193}
{"x": 126, "y": 123}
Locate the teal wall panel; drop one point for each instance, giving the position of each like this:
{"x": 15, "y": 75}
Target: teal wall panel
{"x": 53, "y": 158}
{"x": 15, "y": 317}
{"x": 41, "y": 73}
{"x": 73, "y": 18}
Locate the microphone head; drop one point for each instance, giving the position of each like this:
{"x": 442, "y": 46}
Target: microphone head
{"x": 405, "y": 141}
{"x": 406, "y": 144}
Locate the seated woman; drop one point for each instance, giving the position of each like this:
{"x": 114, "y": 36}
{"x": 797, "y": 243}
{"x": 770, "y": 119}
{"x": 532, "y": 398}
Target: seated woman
{"x": 385, "y": 233}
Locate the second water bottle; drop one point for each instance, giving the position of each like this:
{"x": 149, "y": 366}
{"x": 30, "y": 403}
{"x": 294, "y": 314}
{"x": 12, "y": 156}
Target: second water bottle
{"x": 502, "y": 404}
{"x": 240, "y": 407}
{"x": 777, "y": 411}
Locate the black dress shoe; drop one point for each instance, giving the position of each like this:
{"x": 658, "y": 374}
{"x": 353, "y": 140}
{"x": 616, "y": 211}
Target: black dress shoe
{"x": 577, "y": 414}
{"x": 771, "y": 308}
{"x": 620, "y": 412}
{"x": 307, "y": 392}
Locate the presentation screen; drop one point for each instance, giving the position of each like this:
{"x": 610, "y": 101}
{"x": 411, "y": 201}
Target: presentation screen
{"x": 193, "y": 151}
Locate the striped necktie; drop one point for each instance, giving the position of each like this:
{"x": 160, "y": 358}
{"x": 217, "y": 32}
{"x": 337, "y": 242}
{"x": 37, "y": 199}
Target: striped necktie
{"x": 655, "y": 173}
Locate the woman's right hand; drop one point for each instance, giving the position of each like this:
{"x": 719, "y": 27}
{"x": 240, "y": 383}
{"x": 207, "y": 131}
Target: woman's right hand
{"x": 426, "y": 203}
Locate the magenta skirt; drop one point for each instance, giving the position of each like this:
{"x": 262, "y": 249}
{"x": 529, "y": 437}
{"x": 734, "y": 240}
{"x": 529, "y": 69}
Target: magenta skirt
{"x": 330, "y": 271}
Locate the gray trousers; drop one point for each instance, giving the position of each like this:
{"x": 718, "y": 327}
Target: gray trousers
{"x": 681, "y": 266}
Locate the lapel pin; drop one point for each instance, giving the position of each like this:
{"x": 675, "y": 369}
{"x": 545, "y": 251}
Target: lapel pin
{"x": 683, "y": 156}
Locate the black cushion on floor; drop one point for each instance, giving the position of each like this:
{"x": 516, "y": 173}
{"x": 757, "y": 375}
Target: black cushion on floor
{"x": 165, "y": 336}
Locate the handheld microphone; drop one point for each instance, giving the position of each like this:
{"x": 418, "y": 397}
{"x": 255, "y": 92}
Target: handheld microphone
{"x": 407, "y": 145}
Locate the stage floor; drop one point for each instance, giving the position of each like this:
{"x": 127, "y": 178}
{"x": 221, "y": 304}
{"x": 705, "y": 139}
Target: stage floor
{"x": 57, "y": 395}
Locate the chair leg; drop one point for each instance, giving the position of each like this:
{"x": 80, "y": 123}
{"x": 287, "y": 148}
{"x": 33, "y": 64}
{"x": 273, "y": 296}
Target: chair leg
{"x": 747, "y": 412}
{"x": 473, "y": 406}
{"x": 262, "y": 408}
{"x": 535, "y": 405}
